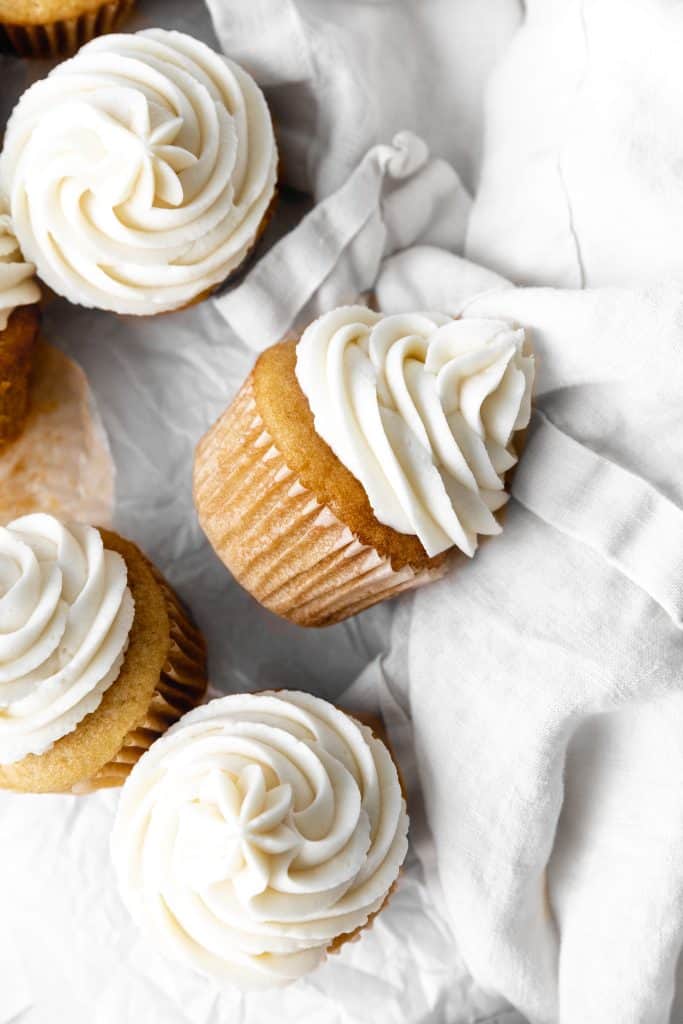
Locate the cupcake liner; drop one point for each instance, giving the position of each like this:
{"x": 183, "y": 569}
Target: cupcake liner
{"x": 181, "y": 687}
{"x": 65, "y": 36}
{"x": 286, "y": 548}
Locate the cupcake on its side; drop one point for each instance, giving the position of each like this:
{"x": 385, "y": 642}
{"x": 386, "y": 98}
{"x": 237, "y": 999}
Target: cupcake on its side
{"x": 19, "y": 321}
{"x": 54, "y": 28}
{"x": 140, "y": 172}
{"x": 263, "y": 831}
{"x": 97, "y": 656}
{"x": 353, "y": 459}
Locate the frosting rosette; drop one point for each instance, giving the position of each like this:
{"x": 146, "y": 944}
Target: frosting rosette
{"x": 257, "y": 831}
{"x": 65, "y": 616}
{"x": 422, "y": 409}
{"x": 17, "y": 284}
{"x": 140, "y": 171}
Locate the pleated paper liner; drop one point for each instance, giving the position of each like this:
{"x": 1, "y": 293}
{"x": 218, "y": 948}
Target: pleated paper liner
{"x": 182, "y": 686}
{"x": 63, "y": 37}
{"x": 289, "y": 551}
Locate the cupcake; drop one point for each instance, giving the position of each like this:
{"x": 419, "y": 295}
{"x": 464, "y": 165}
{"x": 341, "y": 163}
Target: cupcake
{"x": 19, "y": 321}
{"x": 140, "y": 172}
{"x": 53, "y": 28}
{"x": 261, "y": 832}
{"x": 97, "y": 656}
{"x": 354, "y": 459}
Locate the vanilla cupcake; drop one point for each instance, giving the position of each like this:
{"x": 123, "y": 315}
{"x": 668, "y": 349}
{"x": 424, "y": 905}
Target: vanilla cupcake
{"x": 97, "y": 656}
{"x": 263, "y": 831}
{"x": 140, "y": 172}
{"x": 53, "y": 28}
{"x": 354, "y": 459}
{"x": 19, "y": 321}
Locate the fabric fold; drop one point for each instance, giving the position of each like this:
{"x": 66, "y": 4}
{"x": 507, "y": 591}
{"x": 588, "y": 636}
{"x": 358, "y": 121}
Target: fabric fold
{"x": 269, "y": 37}
{"x": 396, "y": 196}
{"x": 616, "y": 513}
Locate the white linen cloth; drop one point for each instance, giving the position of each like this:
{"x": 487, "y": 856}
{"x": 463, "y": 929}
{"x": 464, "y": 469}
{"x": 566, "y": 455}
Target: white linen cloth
{"x": 397, "y": 195}
{"x": 581, "y": 179}
{"x": 343, "y": 75}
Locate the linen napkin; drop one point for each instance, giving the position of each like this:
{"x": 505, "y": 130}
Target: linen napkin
{"x": 544, "y": 678}
{"x": 581, "y": 179}
{"x": 397, "y": 195}
{"x": 343, "y": 75}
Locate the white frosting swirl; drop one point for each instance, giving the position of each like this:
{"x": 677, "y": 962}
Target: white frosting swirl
{"x": 258, "y": 829}
{"x": 140, "y": 171}
{"x": 421, "y": 409}
{"x": 17, "y": 284}
{"x": 65, "y": 616}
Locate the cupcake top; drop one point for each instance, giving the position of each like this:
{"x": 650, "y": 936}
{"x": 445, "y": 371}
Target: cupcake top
{"x": 256, "y": 831}
{"x": 18, "y": 286}
{"x": 139, "y": 171}
{"x": 422, "y": 410}
{"x": 65, "y": 615}
{"x": 43, "y": 12}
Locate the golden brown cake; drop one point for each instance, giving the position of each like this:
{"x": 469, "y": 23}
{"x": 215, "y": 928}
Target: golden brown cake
{"x": 322, "y": 503}
{"x": 159, "y": 674}
{"x": 17, "y": 348}
{"x": 56, "y": 28}
{"x": 19, "y": 321}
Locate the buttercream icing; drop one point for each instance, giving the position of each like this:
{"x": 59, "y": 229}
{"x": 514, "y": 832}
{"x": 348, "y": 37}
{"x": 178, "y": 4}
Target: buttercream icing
{"x": 421, "y": 408}
{"x": 18, "y": 286}
{"x": 139, "y": 171}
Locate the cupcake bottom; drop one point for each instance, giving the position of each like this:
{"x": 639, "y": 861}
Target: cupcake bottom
{"x": 163, "y": 676}
{"x": 17, "y": 347}
{"x": 67, "y": 34}
{"x": 291, "y": 523}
